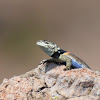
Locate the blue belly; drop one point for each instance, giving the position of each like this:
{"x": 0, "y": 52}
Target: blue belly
{"x": 76, "y": 61}
{"x": 76, "y": 64}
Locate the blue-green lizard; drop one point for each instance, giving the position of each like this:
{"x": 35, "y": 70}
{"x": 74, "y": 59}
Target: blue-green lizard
{"x": 61, "y": 56}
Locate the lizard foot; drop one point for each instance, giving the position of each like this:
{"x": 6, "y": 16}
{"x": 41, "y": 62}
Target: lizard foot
{"x": 65, "y": 69}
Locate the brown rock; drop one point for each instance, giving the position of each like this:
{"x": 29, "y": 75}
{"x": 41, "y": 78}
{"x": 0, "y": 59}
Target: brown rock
{"x": 49, "y": 81}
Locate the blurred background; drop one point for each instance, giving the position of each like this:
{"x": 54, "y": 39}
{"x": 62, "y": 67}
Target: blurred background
{"x": 72, "y": 24}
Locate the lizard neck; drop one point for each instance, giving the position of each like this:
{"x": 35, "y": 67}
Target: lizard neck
{"x": 58, "y": 53}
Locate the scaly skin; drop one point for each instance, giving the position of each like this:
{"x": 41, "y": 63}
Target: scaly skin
{"x": 61, "y": 56}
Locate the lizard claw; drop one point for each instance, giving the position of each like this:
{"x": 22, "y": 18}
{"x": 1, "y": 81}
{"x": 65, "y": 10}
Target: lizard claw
{"x": 42, "y": 62}
{"x": 67, "y": 68}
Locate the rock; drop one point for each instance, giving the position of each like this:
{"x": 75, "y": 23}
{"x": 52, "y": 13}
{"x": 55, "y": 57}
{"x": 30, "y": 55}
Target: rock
{"x": 50, "y": 81}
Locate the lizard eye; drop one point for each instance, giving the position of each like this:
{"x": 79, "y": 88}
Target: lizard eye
{"x": 47, "y": 43}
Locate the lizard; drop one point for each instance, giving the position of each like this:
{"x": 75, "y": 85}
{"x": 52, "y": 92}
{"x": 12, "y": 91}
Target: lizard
{"x": 61, "y": 56}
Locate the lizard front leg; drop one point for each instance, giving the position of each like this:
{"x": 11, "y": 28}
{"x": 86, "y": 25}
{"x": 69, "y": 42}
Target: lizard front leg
{"x": 64, "y": 58}
{"x": 68, "y": 63}
{"x": 50, "y": 60}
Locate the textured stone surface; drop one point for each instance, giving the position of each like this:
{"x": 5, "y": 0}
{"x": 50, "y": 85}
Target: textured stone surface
{"x": 49, "y": 81}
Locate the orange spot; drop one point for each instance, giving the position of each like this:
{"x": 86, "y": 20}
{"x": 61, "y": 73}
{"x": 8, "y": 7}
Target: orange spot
{"x": 66, "y": 53}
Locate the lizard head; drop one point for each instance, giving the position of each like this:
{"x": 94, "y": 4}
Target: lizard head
{"x": 48, "y": 47}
